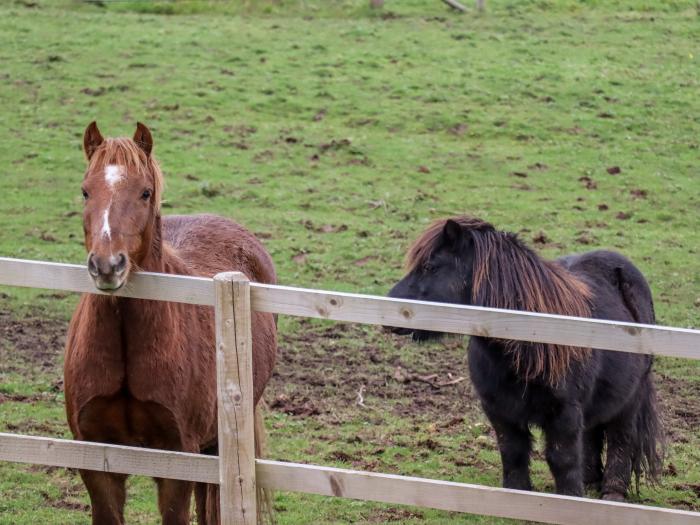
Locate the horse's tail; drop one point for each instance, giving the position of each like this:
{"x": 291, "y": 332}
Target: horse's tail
{"x": 207, "y": 495}
{"x": 649, "y": 442}
{"x": 266, "y": 514}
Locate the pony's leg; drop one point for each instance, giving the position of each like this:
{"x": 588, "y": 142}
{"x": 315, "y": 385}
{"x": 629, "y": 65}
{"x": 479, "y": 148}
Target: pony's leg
{"x": 174, "y": 497}
{"x": 107, "y": 496}
{"x": 514, "y": 443}
{"x": 564, "y": 450}
{"x": 618, "y": 464}
{"x": 592, "y": 458}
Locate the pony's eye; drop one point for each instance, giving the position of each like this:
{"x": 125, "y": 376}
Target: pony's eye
{"x": 85, "y": 195}
{"x": 146, "y": 195}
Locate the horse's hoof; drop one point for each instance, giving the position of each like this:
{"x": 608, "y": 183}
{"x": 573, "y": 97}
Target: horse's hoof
{"x": 614, "y": 496}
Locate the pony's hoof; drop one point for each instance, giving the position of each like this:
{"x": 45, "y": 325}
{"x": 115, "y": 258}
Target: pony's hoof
{"x": 614, "y": 496}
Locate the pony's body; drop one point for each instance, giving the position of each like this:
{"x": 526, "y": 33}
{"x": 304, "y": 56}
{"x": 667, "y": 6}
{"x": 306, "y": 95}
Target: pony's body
{"x": 143, "y": 373}
{"x": 581, "y": 398}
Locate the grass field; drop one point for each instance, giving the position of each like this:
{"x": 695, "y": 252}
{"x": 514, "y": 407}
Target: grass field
{"x": 336, "y": 133}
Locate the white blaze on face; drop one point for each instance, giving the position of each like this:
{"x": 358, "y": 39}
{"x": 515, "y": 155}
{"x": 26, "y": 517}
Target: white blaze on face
{"x": 106, "y": 230}
{"x": 113, "y": 175}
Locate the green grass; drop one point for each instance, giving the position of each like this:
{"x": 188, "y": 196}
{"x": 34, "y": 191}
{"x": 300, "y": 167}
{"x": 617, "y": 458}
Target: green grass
{"x": 337, "y": 133}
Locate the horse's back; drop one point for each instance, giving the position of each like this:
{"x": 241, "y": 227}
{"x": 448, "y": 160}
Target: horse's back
{"x": 210, "y": 244}
{"x": 621, "y": 292}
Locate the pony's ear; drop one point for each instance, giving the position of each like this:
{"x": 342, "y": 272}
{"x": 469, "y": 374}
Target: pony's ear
{"x": 91, "y": 139}
{"x": 143, "y": 138}
{"x": 452, "y": 232}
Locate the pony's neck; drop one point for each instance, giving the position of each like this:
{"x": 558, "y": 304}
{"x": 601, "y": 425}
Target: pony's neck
{"x": 509, "y": 275}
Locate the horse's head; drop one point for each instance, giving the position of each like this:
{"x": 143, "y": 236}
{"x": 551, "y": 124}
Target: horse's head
{"x": 440, "y": 269}
{"x": 121, "y": 188}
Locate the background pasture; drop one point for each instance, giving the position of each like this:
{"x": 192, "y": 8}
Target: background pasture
{"x": 336, "y": 133}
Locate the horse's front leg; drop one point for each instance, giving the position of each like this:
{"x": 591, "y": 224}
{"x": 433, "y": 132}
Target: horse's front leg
{"x": 174, "y": 497}
{"x": 564, "y": 450}
{"x": 514, "y": 443}
{"x": 107, "y": 496}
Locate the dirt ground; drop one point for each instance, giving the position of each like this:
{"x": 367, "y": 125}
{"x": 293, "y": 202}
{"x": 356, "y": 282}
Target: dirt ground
{"x": 321, "y": 369}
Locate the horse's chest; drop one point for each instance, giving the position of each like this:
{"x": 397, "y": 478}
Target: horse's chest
{"x": 121, "y": 418}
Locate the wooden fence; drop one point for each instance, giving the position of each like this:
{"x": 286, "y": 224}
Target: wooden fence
{"x": 237, "y": 470}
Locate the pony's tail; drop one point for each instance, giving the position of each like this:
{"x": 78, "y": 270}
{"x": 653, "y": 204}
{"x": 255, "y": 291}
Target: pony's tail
{"x": 266, "y": 514}
{"x": 649, "y": 443}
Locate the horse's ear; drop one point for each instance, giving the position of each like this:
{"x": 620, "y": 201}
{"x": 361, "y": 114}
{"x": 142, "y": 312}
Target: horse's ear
{"x": 143, "y": 138}
{"x": 452, "y": 232}
{"x": 91, "y": 139}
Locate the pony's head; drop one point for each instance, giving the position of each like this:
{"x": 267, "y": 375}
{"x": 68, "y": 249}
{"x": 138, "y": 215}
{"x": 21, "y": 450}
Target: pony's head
{"x": 440, "y": 266}
{"x": 121, "y": 188}
{"x": 465, "y": 260}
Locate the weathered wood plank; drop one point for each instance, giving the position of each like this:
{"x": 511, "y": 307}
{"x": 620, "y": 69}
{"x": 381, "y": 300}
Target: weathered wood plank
{"x": 328, "y": 481}
{"x": 108, "y": 458}
{"x": 473, "y": 320}
{"x": 75, "y": 278}
{"x": 455, "y": 5}
{"x": 234, "y": 372}
{"x": 462, "y": 497}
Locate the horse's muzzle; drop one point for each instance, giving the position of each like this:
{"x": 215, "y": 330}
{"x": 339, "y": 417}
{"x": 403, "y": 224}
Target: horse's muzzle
{"x": 108, "y": 273}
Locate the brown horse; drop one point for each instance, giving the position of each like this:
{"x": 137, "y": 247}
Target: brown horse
{"x": 139, "y": 372}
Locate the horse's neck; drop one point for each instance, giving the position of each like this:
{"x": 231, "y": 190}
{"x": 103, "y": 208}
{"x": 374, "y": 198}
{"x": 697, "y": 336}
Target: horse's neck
{"x": 162, "y": 258}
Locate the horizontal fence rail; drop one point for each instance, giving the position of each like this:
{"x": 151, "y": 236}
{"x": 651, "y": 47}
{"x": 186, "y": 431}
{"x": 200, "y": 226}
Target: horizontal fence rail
{"x": 108, "y": 458}
{"x": 329, "y": 481}
{"x": 368, "y": 309}
{"x": 462, "y": 497}
{"x": 74, "y": 278}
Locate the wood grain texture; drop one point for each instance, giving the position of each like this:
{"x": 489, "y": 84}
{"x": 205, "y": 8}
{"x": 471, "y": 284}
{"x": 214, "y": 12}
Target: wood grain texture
{"x": 234, "y": 376}
{"x": 108, "y": 458}
{"x": 469, "y": 320}
{"x": 75, "y": 278}
{"x": 462, "y": 497}
{"x": 455, "y": 5}
{"x": 328, "y": 481}
{"x": 474, "y": 320}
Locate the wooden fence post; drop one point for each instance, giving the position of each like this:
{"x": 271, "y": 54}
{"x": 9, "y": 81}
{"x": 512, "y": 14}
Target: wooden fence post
{"x": 234, "y": 379}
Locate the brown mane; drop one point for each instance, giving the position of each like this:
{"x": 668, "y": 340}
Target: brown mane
{"x": 509, "y": 275}
{"x": 125, "y": 152}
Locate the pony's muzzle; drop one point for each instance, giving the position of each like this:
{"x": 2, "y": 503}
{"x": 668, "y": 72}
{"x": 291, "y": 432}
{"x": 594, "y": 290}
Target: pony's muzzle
{"x": 107, "y": 272}
{"x": 398, "y": 330}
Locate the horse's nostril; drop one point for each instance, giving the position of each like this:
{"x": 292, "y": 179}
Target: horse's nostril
{"x": 92, "y": 266}
{"x": 121, "y": 263}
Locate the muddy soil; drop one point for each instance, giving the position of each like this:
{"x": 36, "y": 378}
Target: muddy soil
{"x": 332, "y": 371}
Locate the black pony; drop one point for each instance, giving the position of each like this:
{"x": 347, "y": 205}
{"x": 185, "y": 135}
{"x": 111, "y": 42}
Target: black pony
{"x": 583, "y": 399}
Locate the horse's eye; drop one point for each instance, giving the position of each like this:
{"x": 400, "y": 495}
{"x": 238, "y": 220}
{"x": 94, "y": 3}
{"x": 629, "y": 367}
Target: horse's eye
{"x": 428, "y": 268}
{"x": 146, "y": 195}
{"x": 85, "y": 195}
